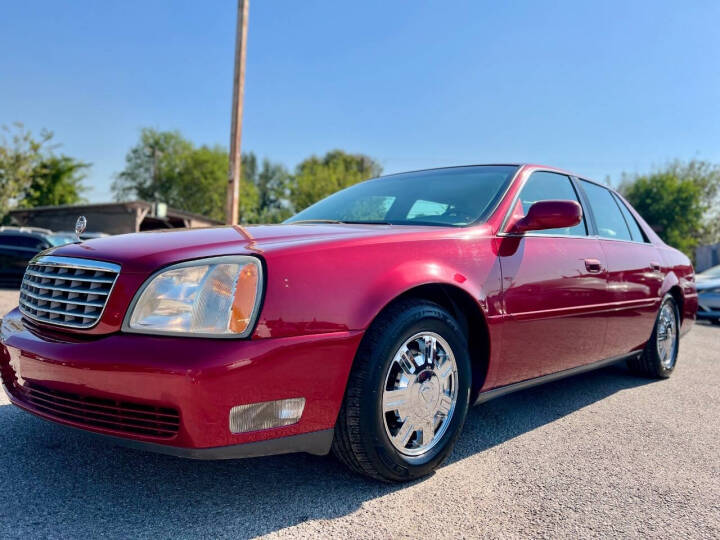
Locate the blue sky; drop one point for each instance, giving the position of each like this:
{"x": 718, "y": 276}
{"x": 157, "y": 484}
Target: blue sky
{"x": 596, "y": 87}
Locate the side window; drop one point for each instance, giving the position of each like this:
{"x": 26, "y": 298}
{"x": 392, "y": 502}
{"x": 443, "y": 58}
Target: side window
{"x": 608, "y": 217}
{"x": 547, "y": 186}
{"x": 635, "y": 230}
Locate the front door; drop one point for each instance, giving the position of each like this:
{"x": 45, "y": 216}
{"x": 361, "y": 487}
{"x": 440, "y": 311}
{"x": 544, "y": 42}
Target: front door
{"x": 554, "y": 286}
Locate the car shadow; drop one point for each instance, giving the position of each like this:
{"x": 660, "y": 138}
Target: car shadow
{"x": 64, "y": 483}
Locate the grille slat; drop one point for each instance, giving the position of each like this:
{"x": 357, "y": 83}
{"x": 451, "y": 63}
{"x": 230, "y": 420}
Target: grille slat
{"x": 73, "y": 301}
{"x": 67, "y": 291}
{"x": 118, "y": 419}
{"x": 98, "y": 404}
{"x": 132, "y": 418}
{"x": 100, "y": 292}
{"x": 69, "y": 277}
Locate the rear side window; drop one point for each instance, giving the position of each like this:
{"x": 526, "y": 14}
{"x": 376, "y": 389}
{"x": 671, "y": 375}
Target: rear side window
{"x": 635, "y": 230}
{"x": 608, "y": 217}
{"x": 548, "y": 186}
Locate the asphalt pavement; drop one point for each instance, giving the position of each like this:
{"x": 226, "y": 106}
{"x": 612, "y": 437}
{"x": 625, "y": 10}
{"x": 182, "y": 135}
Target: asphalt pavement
{"x": 596, "y": 455}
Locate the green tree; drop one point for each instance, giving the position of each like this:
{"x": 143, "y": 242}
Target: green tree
{"x": 198, "y": 184}
{"x": 316, "y": 178}
{"x": 20, "y": 154}
{"x": 273, "y": 184}
{"x": 55, "y": 180}
{"x": 32, "y": 175}
{"x": 152, "y": 167}
{"x": 166, "y": 167}
{"x": 680, "y": 202}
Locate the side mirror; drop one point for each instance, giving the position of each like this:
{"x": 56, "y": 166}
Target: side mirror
{"x": 549, "y": 215}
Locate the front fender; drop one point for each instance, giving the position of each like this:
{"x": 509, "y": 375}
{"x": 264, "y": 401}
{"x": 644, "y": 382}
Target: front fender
{"x": 344, "y": 288}
{"x": 409, "y": 275}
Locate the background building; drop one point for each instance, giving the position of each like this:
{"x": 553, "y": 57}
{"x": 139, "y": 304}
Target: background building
{"x": 707, "y": 256}
{"x": 110, "y": 218}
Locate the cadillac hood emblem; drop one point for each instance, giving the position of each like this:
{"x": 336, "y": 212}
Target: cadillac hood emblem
{"x": 80, "y": 225}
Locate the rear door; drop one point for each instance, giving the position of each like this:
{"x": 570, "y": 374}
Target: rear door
{"x": 553, "y": 285}
{"x": 634, "y": 271}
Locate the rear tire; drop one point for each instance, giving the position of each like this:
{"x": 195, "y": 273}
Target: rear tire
{"x": 407, "y": 395}
{"x": 659, "y": 356}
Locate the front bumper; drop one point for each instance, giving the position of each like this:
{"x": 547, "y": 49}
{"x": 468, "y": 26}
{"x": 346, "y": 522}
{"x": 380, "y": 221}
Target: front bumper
{"x": 201, "y": 379}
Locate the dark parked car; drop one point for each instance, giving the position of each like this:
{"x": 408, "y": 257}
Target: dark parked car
{"x": 20, "y": 244}
{"x": 708, "y": 287}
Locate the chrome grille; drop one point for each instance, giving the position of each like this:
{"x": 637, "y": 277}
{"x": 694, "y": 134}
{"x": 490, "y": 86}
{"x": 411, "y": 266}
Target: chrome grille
{"x": 67, "y": 291}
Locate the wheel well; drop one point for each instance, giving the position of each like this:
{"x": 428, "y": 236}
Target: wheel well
{"x": 679, "y": 300}
{"x": 468, "y": 314}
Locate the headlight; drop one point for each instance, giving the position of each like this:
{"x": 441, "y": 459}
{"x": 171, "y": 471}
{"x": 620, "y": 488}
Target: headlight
{"x": 216, "y": 297}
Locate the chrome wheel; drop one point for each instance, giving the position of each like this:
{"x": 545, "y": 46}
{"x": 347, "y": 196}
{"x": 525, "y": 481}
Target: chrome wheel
{"x": 420, "y": 393}
{"x": 667, "y": 335}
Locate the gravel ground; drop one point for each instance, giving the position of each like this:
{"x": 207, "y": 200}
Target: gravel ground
{"x": 8, "y": 300}
{"x": 596, "y": 455}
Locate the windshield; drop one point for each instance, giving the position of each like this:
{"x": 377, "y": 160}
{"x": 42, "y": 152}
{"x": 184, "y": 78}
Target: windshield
{"x": 713, "y": 272}
{"x": 60, "y": 239}
{"x": 454, "y": 196}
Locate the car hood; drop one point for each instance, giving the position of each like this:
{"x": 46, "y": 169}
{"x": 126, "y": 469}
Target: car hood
{"x": 144, "y": 252}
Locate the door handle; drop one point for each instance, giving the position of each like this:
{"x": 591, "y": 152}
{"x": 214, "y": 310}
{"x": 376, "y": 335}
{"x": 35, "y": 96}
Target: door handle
{"x": 593, "y": 265}
{"x": 655, "y": 266}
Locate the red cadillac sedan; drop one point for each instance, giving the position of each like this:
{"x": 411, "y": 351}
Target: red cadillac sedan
{"x": 367, "y": 324}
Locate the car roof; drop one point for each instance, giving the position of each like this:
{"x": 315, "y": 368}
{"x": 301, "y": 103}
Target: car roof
{"x": 533, "y": 166}
{"x": 25, "y": 231}
{"x": 453, "y": 167}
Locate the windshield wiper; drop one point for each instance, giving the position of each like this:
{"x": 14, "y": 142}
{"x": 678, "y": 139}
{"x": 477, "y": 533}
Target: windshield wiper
{"x": 368, "y": 222}
{"x": 315, "y": 221}
{"x": 344, "y": 222}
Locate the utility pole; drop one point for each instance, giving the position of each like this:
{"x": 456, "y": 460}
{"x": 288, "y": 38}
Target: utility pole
{"x": 233, "y": 191}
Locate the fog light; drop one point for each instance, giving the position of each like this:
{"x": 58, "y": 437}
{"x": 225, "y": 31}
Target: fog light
{"x": 267, "y": 414}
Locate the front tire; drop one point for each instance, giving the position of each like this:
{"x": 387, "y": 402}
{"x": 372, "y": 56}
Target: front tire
{"x": 407, "y": 396}
{"x": 659, "y": 356}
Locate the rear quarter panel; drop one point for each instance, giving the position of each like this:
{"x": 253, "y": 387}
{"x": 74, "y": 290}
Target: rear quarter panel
{"x": 680, "y": 272}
